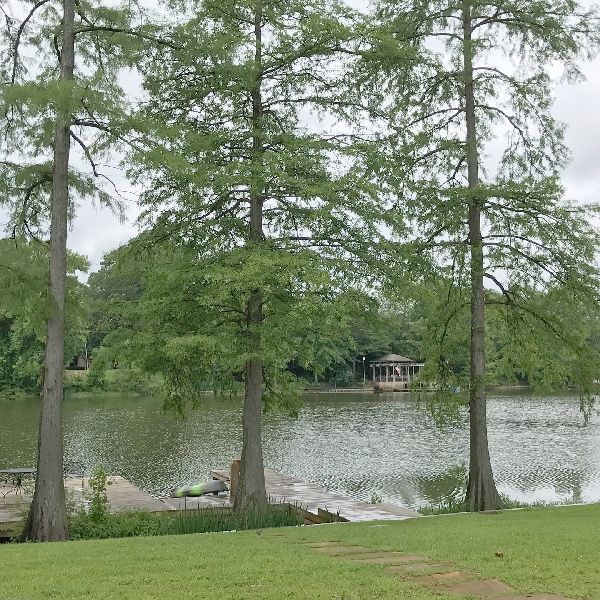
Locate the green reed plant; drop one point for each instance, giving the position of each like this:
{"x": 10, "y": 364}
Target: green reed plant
{"x": 199, "y": 520}
{"x": 458, "y": 505}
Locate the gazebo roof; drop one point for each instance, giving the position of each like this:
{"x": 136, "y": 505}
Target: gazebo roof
{"x": 393, "y": 358}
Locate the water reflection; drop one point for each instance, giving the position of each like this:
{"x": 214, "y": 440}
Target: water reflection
{"x": 357, "y": 444}
{"x": 439, "y": 488}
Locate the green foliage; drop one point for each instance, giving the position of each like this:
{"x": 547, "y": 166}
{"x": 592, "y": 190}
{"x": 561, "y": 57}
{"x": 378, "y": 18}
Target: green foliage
{"x": 108, "y": 39}
{"x": 124, "y": 524}
{"x": 130, "y": 380}
{"x": 376, "y": 498}
{"x": 98, "y": 509}
{"x": 101, "y": 362}
{"x": 448, "y": 506}
{"x": 452, "y": 505}
{"x": 202, "y": 520}
{"x": 225, "y": 131}
{"x": 537, "y": 245}
{"x": 94, "y": 520}
{"x": 206, "y": 520}
{"x": 24, "y": 311}
{"x": 155, "y": 320}
{"x": 96, "y": 378}
{"x": 20, "y": 357}
{"x": 123, "y": 380}
{"x": 78, "y": 381}
{"x": 562, "y": 352}
{"x": 109, "y": 289}
{"x": 191, "y": 325}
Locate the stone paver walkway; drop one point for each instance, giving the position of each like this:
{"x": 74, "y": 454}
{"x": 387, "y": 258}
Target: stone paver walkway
{"x": 441, "y": 576}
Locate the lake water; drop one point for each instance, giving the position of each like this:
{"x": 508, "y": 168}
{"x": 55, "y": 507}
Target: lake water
{"x": 354, "y": 443}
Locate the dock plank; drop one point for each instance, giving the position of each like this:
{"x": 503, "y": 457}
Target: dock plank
{"x": 283, "y": 488}
{"x": 311, "y": 497}
{"x": 121, "y": 494}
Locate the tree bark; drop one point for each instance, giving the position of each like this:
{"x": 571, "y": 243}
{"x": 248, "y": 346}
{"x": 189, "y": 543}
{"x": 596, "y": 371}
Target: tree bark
{"x": 47, "y": 518}
{"x": 481, "y": 488}
{"x": 251, "y": 491}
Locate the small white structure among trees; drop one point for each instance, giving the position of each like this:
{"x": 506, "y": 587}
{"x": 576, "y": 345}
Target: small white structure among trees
{"x": 394, "y": 373}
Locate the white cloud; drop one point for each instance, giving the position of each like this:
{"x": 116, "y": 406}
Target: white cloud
{"x": 577, "y": 105}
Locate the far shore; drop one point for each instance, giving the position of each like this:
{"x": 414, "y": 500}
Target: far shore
{"x": 156, "y": 392}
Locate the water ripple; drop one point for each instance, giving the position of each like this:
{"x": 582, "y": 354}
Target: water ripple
{"x": 358, "y": 444}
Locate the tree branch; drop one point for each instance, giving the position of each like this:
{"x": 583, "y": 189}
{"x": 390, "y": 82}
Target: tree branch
{"x": 35, "y": 7}
{"x": 86, "y": 151}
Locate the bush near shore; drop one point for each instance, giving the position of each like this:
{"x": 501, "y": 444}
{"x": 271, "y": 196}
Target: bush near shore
{"x": 124, "y": 381}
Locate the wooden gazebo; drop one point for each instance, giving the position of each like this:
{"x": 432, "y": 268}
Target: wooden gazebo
{"x": 394, "y": 373}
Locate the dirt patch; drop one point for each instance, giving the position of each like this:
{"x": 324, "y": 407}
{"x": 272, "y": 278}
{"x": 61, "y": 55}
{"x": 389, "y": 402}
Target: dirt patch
{"x": 411, "y": 567}
{"x": 542, "y": 596}
{"x": 400, "y": 556}
{"x": 439, "y": 579}
{"x": 484, "y": 588}
{"x": 325, "y": 544}
{"x": 345, "y": 550}
{"x": 389, "y": 558}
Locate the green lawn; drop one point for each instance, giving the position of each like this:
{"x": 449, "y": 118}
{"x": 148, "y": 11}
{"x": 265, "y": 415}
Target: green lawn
{"x": 544, "y": 550}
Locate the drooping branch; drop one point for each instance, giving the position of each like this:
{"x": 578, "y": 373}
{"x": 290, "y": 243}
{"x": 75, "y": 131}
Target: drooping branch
{"x": 19, "y": 33}
{"x": 131, "y": 32}
{"x": 87, "y": 153}
{"x": 500, "y": 286}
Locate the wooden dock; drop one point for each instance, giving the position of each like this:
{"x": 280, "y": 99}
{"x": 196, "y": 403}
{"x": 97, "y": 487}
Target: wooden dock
{"x": 123, "y": 495}
{"x": 311, "y": 497}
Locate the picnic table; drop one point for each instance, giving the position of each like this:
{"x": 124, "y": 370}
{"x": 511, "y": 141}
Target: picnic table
{"x": 16, "y": 477}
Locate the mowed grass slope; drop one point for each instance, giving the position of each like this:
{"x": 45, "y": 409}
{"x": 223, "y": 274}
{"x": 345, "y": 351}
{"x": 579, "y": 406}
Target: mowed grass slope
{"x": 554, "y": 549}
{"x": 541, "y": 550}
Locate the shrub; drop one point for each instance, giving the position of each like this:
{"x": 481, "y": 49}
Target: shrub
{"x": 99, "y": 510}
{"x": 376, "y": 498}
{"x": 84, "y": 525}
{"x": 117, "y": 525}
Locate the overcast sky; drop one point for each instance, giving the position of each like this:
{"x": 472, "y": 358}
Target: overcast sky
{"x": 96, "y": 230}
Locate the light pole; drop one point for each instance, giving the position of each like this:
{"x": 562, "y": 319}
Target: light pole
{"x": 364, "y": 373}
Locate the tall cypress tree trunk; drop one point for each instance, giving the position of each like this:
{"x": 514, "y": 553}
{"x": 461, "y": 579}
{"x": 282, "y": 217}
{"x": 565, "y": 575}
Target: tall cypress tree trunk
{"x": 47, "y": 519}
{"x": 481, "y": 489}
{"x": 251, "y": 492}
